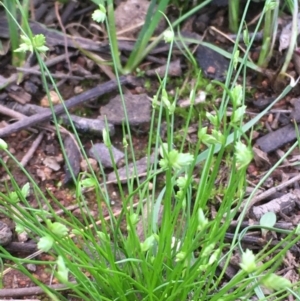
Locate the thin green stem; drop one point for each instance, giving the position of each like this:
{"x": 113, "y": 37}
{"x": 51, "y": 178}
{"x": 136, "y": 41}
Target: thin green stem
{"x": 233, "y": 8}
{"x": 293, "y": 39}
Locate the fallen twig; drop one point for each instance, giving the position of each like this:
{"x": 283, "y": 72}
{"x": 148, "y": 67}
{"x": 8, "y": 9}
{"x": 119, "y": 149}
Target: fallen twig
{"x": 32, "y": 149}
{"x": 20, "y": 247}
{"x": 285, "y": 204}
{"x": 11, "y": 113}
{"x": 56, "y": 7}
{"x": 27, "y": 291}
{"x": 274, "y": 140}
{"x": 59, "y": 109}
{"x": 258, "y": 241}
{"x": 82, "y": 124}
{"x": 67, "y": 76}
{"x": 272, "y": 190}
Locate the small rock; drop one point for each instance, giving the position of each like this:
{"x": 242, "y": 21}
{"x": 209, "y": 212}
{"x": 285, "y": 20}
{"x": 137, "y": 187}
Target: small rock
{"x": 52, "y": 163}
{"x": 84, "y": 165}
{"x": 78, "y": 89}
{"x": 30, "y": 87}
{"x": 54, "y": 98}
{"x": 101, "y": 153}
{"x": 31, "y": 267}
{"x": 50, "y": 149}
{"x": 174, "y": 69}
{"x": 129, "y": 170}
{"x": 5, "y": 234}
{"x": 138, "y": 109}
{"x": 74, "y": 158}
{"x": 44, "y": 174}
{"x": 131, "y": 14}
{"x": 22, "y": 237}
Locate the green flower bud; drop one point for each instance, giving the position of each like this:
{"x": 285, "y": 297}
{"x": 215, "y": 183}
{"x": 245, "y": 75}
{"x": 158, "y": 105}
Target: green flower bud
{"x": 3, "y": 144}
{"x": 180, "y": 256}
{"x": 99, "y": 15}
{"x": 276, "y": 283}
{"x": 237, "y": 95}
{"x": 243, "y": 155}
{"x": 168, "y": 35}
{"x": 62, "y": 271}
{"x": 45, "y": 243}
{"x": 202, "y": 220}
{"x": 248, "y": 261}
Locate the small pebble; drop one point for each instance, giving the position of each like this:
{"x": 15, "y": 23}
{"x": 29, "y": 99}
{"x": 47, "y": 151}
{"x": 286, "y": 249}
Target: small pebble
{"x": 22, "y": 237}
{"x": 52, "y": 163}
{"x": 84, "y": 166}
{"x": 270, "y": 118}
{"x": 101, "y": 153}
{"x": 31, "y": 267}
{"x": 252, "y": 170}
{"x": 30, "y": 87}
{"x": 5, "y": 234}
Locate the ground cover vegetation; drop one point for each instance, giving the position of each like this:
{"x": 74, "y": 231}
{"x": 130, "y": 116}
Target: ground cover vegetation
{"x": 185, "y": 227}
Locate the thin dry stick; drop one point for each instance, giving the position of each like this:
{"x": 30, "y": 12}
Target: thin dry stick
{"x": 55, "y": 60}
{"x": 273, "y": 190}
{"x": 22, "y": 299}
{"x": 14, "y": 114}
{"x": 32, "y": 149}
{"x": 56, "y": 6}
{"x": 254, "y": 20}
{"x": 37, "y": 72}
{"x": 32, "y": 10}
{"x": 101, "y": 63}
{"x": 69, "y": 208}
{"x": 60, "y": 109}
{"x": 48, "y": 63}
{"x": 27, "y": 291}
{"x": 229, "y": 39}
{"x": 128, "y": 29}
{"x": 70, "y": 236}
{"x": 11, "y": 113}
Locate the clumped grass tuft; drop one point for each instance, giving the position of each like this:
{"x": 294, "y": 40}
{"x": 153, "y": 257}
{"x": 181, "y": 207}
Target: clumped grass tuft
{"x": 181, "y": 252}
